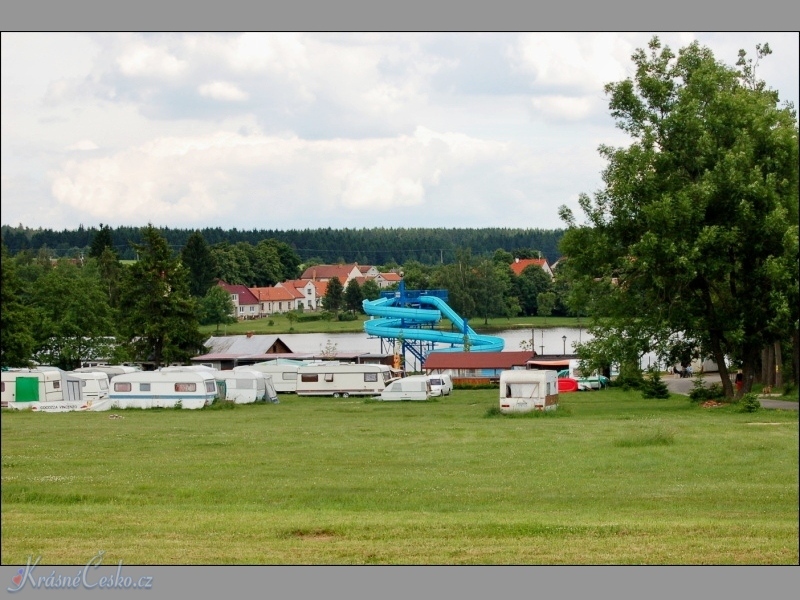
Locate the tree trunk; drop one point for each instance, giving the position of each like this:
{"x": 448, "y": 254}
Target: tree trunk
{"x": 796, "y": 357}
{"x": 778, "y": 366}
{"x": 719, "y": 358}
{"x": 749, "y": 365}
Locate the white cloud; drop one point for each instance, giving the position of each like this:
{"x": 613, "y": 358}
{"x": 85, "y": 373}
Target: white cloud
{"x": 147, "y": 60}
{"x": 83, "y": 145}
{"x": 564, "y": 107}
{"x": 222, "y": 90}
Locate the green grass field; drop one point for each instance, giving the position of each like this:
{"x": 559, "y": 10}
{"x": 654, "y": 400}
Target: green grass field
{"x": 609, "y": 478}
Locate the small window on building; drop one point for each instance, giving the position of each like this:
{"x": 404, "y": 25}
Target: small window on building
{"x": 309, "y": 377}
{"x": 56, "y": 385}
{"x": 185, "y": 387}
{"x": 328, "y": 377}
{"x": 122, "y": 387}
{"x": 370, "y": 377}
{"x": 144, "y": 387}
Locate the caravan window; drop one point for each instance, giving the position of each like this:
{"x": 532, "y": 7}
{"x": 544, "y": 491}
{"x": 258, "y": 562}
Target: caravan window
{"x": 328, "y": 377}
{"x": 56, "y": 385}
{"x": 309, "y": 377}
{"x": 370, "y": 377}
{"x": 211, "y": 386}
{"x": 144, "y": 387}
{"x": 122, "y": 387}
{"x": 185, "y": 387}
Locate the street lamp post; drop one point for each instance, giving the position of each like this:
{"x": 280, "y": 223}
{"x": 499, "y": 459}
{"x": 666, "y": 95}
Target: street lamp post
{"x": 564, "y": 339}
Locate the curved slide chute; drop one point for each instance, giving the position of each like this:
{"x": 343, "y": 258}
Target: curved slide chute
{"x": 402, "y": 322}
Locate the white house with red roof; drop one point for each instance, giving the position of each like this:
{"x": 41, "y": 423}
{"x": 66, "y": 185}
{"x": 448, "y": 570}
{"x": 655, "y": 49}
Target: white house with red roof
{"x": 305, "y": 292}
{"x": 327, "y": 272}
{"x": 274, "y": 300}
{"x": 520, "y": 264}
{"x": 246, "y": 305}
{"x": 385, "y": 280}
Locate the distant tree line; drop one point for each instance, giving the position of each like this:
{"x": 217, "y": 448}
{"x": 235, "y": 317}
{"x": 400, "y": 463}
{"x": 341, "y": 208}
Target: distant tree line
{"x": 379, "y": 245}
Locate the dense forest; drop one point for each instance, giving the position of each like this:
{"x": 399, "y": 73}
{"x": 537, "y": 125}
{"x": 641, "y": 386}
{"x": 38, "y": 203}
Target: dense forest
{"x": 429, "y": 246}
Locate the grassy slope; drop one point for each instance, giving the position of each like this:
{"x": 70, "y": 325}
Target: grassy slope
{"x": 280, "y": 324}
{"x": 609, "y": 479}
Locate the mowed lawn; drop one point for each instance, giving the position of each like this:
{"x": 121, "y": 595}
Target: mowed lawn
{"x": 610, "y": 478}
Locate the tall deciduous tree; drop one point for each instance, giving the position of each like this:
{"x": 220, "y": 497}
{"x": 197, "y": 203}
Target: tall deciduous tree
{"x": 687, "y": 242}
{"x": 159, "y": 322}
{"x": 216, "y": 307}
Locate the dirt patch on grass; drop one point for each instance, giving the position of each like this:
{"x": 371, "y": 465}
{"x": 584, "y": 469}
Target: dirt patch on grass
{"x": 313, "y": 534}
{"x": 712, "y": 404}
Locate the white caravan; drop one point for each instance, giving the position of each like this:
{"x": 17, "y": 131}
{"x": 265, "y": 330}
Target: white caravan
{"x": 284, "y": 374}
{"x": 414, "y": 387}
{"x": 163, "y": 389}
{"x": 441, "y": 384}
{"x": 343, "y": 379}
{"x": 244, "y": 385}
{"x": 45, "y": 389}
{"x": 527, "y": 390}
{"x": 95, "y": 387}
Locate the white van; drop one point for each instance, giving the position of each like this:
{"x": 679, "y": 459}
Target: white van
{"x": 414, "y": 387}
{"x": 441, "y": 385}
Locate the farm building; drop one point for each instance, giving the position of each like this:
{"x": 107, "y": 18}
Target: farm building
{"x": 475, "y": 367}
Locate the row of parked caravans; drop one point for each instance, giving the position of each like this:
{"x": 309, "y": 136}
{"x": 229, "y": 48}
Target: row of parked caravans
{"x": 101, "y": 388}
{"x": 330, "y": 378}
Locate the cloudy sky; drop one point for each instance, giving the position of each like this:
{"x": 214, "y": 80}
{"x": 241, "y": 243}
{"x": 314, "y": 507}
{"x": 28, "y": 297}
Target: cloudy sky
{"x": 295, "y": 131}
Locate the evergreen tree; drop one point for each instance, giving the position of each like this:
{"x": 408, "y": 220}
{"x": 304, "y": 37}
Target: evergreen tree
{"x": 334, "y": 295}
{"x": 353, "y": 296}
{"x": 197, "y": 258}
{"x": 159, "y": 323}
{"x": 102, "y": 240}
{"x": 16, "y": 317}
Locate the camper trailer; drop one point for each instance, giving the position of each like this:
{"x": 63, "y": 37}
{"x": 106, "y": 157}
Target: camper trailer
{"x": 527, "y": 390}
{"x": 343, "y": 379}
{"x": 94, "y": 386}
{"x": 244, "y": 385}
{"x": 110, "y": 370}
{"x": 163, "y": 389}
{"x": 284, "y": 374}
{"x": 414, "y": 387}
{"x": 45, "y": 388}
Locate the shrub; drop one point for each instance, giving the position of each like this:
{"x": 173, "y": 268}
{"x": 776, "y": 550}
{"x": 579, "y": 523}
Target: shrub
{"x": 701, "y": 393}
{"x": 749, "y": 403}
{"x": 653, "y": 386}
{"x": 628, "y": 379}
{"x": 346, "y": 316}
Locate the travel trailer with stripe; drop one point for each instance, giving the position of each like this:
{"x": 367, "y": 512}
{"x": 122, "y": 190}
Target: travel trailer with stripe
{"x": 343, "y": 379}
{"x": 165, "y": 388}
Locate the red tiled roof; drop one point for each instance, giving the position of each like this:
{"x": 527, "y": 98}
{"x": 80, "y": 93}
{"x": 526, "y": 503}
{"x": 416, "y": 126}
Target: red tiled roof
{"x": 271, "y": 294}
{"x": 245, "y": 295}
{"x": 390, "y": 276}
{"x": 476, "y": 360}
{"x": 520, "y": 265}
{"x": 328, "y": 272}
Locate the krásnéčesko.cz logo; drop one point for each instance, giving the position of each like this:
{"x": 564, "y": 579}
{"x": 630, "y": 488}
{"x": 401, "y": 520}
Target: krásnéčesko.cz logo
{"x": 85, "y": 577}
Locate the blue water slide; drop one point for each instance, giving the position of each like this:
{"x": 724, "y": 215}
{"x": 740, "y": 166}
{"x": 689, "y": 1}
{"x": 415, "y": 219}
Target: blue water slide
{"x": 402, "y": 322}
